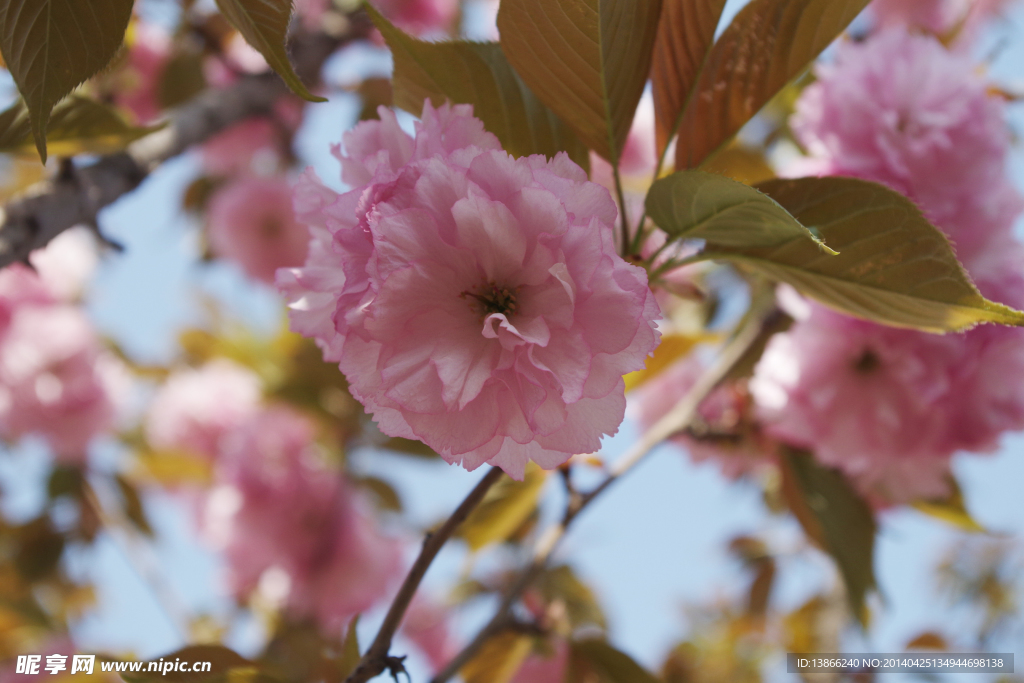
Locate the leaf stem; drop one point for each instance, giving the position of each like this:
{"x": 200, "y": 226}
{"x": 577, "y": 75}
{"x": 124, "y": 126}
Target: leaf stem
{"x": 676, "y": 420}
{"x": 377, "y": 659}
{"x": 626, "y": 238}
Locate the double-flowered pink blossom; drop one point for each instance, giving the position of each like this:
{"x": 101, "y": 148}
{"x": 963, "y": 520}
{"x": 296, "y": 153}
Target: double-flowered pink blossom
{"x": 290, "y": 525}
{"x": 251, "y": 222}
{"x": 195, "y": 409}
{"x": 902, "y": 110}
{"x": 474, "y": 301}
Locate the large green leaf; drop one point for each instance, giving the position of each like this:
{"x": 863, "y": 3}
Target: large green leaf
{"x": 767, "y": 45}
{"x": 835, "y": 516}
{"x": 77, "y": 125}
{"x": 586, "y": 59}
{"x": 595, "y": 661}
{"x": 893, "y": 267}
{"x": 697, "y": 205}
{"x": 52, "y": 46}
{"x": 477, "y": 74}
{"x": 685, "y": 36}
{"x": 264, "y": 25}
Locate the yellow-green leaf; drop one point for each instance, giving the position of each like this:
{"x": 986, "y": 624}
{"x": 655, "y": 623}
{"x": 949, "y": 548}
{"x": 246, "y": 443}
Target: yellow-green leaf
{"x": 698, "y": 205}
{"x": 685, "y": 36}
{"x": 477, "y": 74}
{"x": 52, "y": 46}
{"x": 588, "y": 60}
{"x": 595, "y": 661}
{"x": 951, "y": 509}
{"x": 498, "y": 659}
{"x": 769, "y": 43}
{"x": 349, "y": 650}
{"x": 264, "y": 25}
{"x": 834, "y": 515}
{"x": 672, "y": 347}
{"x": 893, "y": 267}
{"x": 225, "y": 665}
{"x": 505, "y": 507}
{"x": 77, "y": 125}
{"x": 581, "y": 607}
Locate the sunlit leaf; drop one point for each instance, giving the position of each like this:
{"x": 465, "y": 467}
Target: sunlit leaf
{"x": 698, "y": 205}
{"x": 77, "y": 125}
{"x": 671, "y": 348}
{"x": 837, "y": 518}
{"x": 769, "y": 43}
{"x": 929, "y": 640}
{"x": 173, "y": 468}
{"x": 951, "y": 509}
{"x": 685, "y": 36}
{"x": 477, "y": 74}
{"x": 586, "y": 59}
{"x": 498, "y": 659}
{"x": 739, "y": 162}
{"x": 507, "y": 505}
{"x": 350, "y": 650}
{"x": 264, "y": 25}
{"x": 52, "y": 46}
{"x": 225, "y": 665}
{"x": 893, "y": 266}
{"x": 595, "y": 661}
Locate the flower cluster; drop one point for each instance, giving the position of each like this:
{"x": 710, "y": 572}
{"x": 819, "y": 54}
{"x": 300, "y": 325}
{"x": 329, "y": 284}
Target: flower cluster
{"x": 473, "y": 300}
{"x": 56, "y": 380}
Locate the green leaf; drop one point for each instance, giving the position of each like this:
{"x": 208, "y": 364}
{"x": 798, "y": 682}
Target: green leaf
{"x": 181, "y": 79}
{"x": 477, "y": 74}
{"x": 586, "y": 59}
{"x": 686, "y": 33}
{"x": 697, "y": 205}
{"x": 498, "y": 659}
{"x": 349, "y": 651}
{"x": 893, "y": 266}
{"x": 52, "y": 46}
{"x": 837, "y": 518}
{"x": 505, "y": 507}
{"x": 595, "y": 661}
{"x": 264, "y": 25}
{"x": 768, "y": 44}
{"x": 225, "y": 665}
{"x": 561, "y": 584}
{"x": 78, "y": 125}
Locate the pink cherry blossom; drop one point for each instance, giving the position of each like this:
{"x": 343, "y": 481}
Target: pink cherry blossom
{"x": 420, "y": 17}
{"x": 311, "y": 12}
{"x": 289, "y": 524}
{"x": 67, "y": 263}
{"x": 426, "y": 625}
{"x": 902, "y": 110}
{"x": 937, "y": 16}
{"x": 474, "y": 301}
{"x": 540, "y": 669}
{"x": 240, "y": 148}
{"x": 251, "y": 222}
{"x": 55, "y": 381}
{"x": 725, "y": 434}
{"x": 194, "y": 409}
{"x": 138, "y": 88}
{"x": 891, "y": 406}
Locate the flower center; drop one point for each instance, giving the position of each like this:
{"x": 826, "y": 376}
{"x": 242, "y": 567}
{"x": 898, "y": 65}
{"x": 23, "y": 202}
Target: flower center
{"x": 491, "y": 298}
{"x": 867, "y": 363}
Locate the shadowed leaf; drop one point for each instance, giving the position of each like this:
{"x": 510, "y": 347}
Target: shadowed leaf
{"x": 595, "y": 661}
{"x": 769, "y": 43}
{"x": 893, "y": 267}
{"x": 225, "y": 665}
{"x": 52, "y": 46}
{"x": 264, "y": 25}
{"x": 586, "y": 59}
{"x": 477, "y": 74}
{"x": 685, "y": 36}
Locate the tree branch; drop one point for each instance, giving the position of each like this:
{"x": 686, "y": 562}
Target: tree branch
{"x": 74, "y": 196}
{"x": 377, "y": 657}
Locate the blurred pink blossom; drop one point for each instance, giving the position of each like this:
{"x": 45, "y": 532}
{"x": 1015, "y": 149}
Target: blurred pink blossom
{"x": 290, "y": 526}
{"x": 311, "y": 12}
{"x": 239, "y": 148}
{"x": 194, "y": 409}
{"x": 67, "y": 263}
{"x": 902, "y": 110}
{"x": 938, "y": 16}
{"x": 420, "y": 17}
{"x": 426, "y": 625}
{"x": 540, "y": 669}
{"x": 138, "y": 88}
{"x": 251, "y": 222}
{"x": 474, "y": 301}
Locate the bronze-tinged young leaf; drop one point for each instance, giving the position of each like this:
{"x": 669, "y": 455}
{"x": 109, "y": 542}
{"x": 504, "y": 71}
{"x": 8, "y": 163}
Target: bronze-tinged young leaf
{"x": 350, "y": 650}
{"x": 264, "y": 25}
{"x": 835, "y": 516}
{"x": 769, "y": 43}
{"x": 586, "y": 59}
{"x": 77, "y": 125}
{"x": 498, "y": 660}
{"x": 52, "y": 46}
{"x": 685, "y": 36}
{"x": 595, "y": 661}
{"x": 893, "y": 267}
{"x": 505, "y": 507}
{"x": 478, "y": 74}
{"x": 698, "y": 205}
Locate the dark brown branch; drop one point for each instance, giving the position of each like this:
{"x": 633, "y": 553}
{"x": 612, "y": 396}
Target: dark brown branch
{"x": 377, "y": 658}
{"x": 75, "y": 196}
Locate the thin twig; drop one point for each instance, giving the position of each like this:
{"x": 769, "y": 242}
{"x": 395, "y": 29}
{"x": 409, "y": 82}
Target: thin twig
{"x": 377, "y": 658}
{"x": 676, "y": 420}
